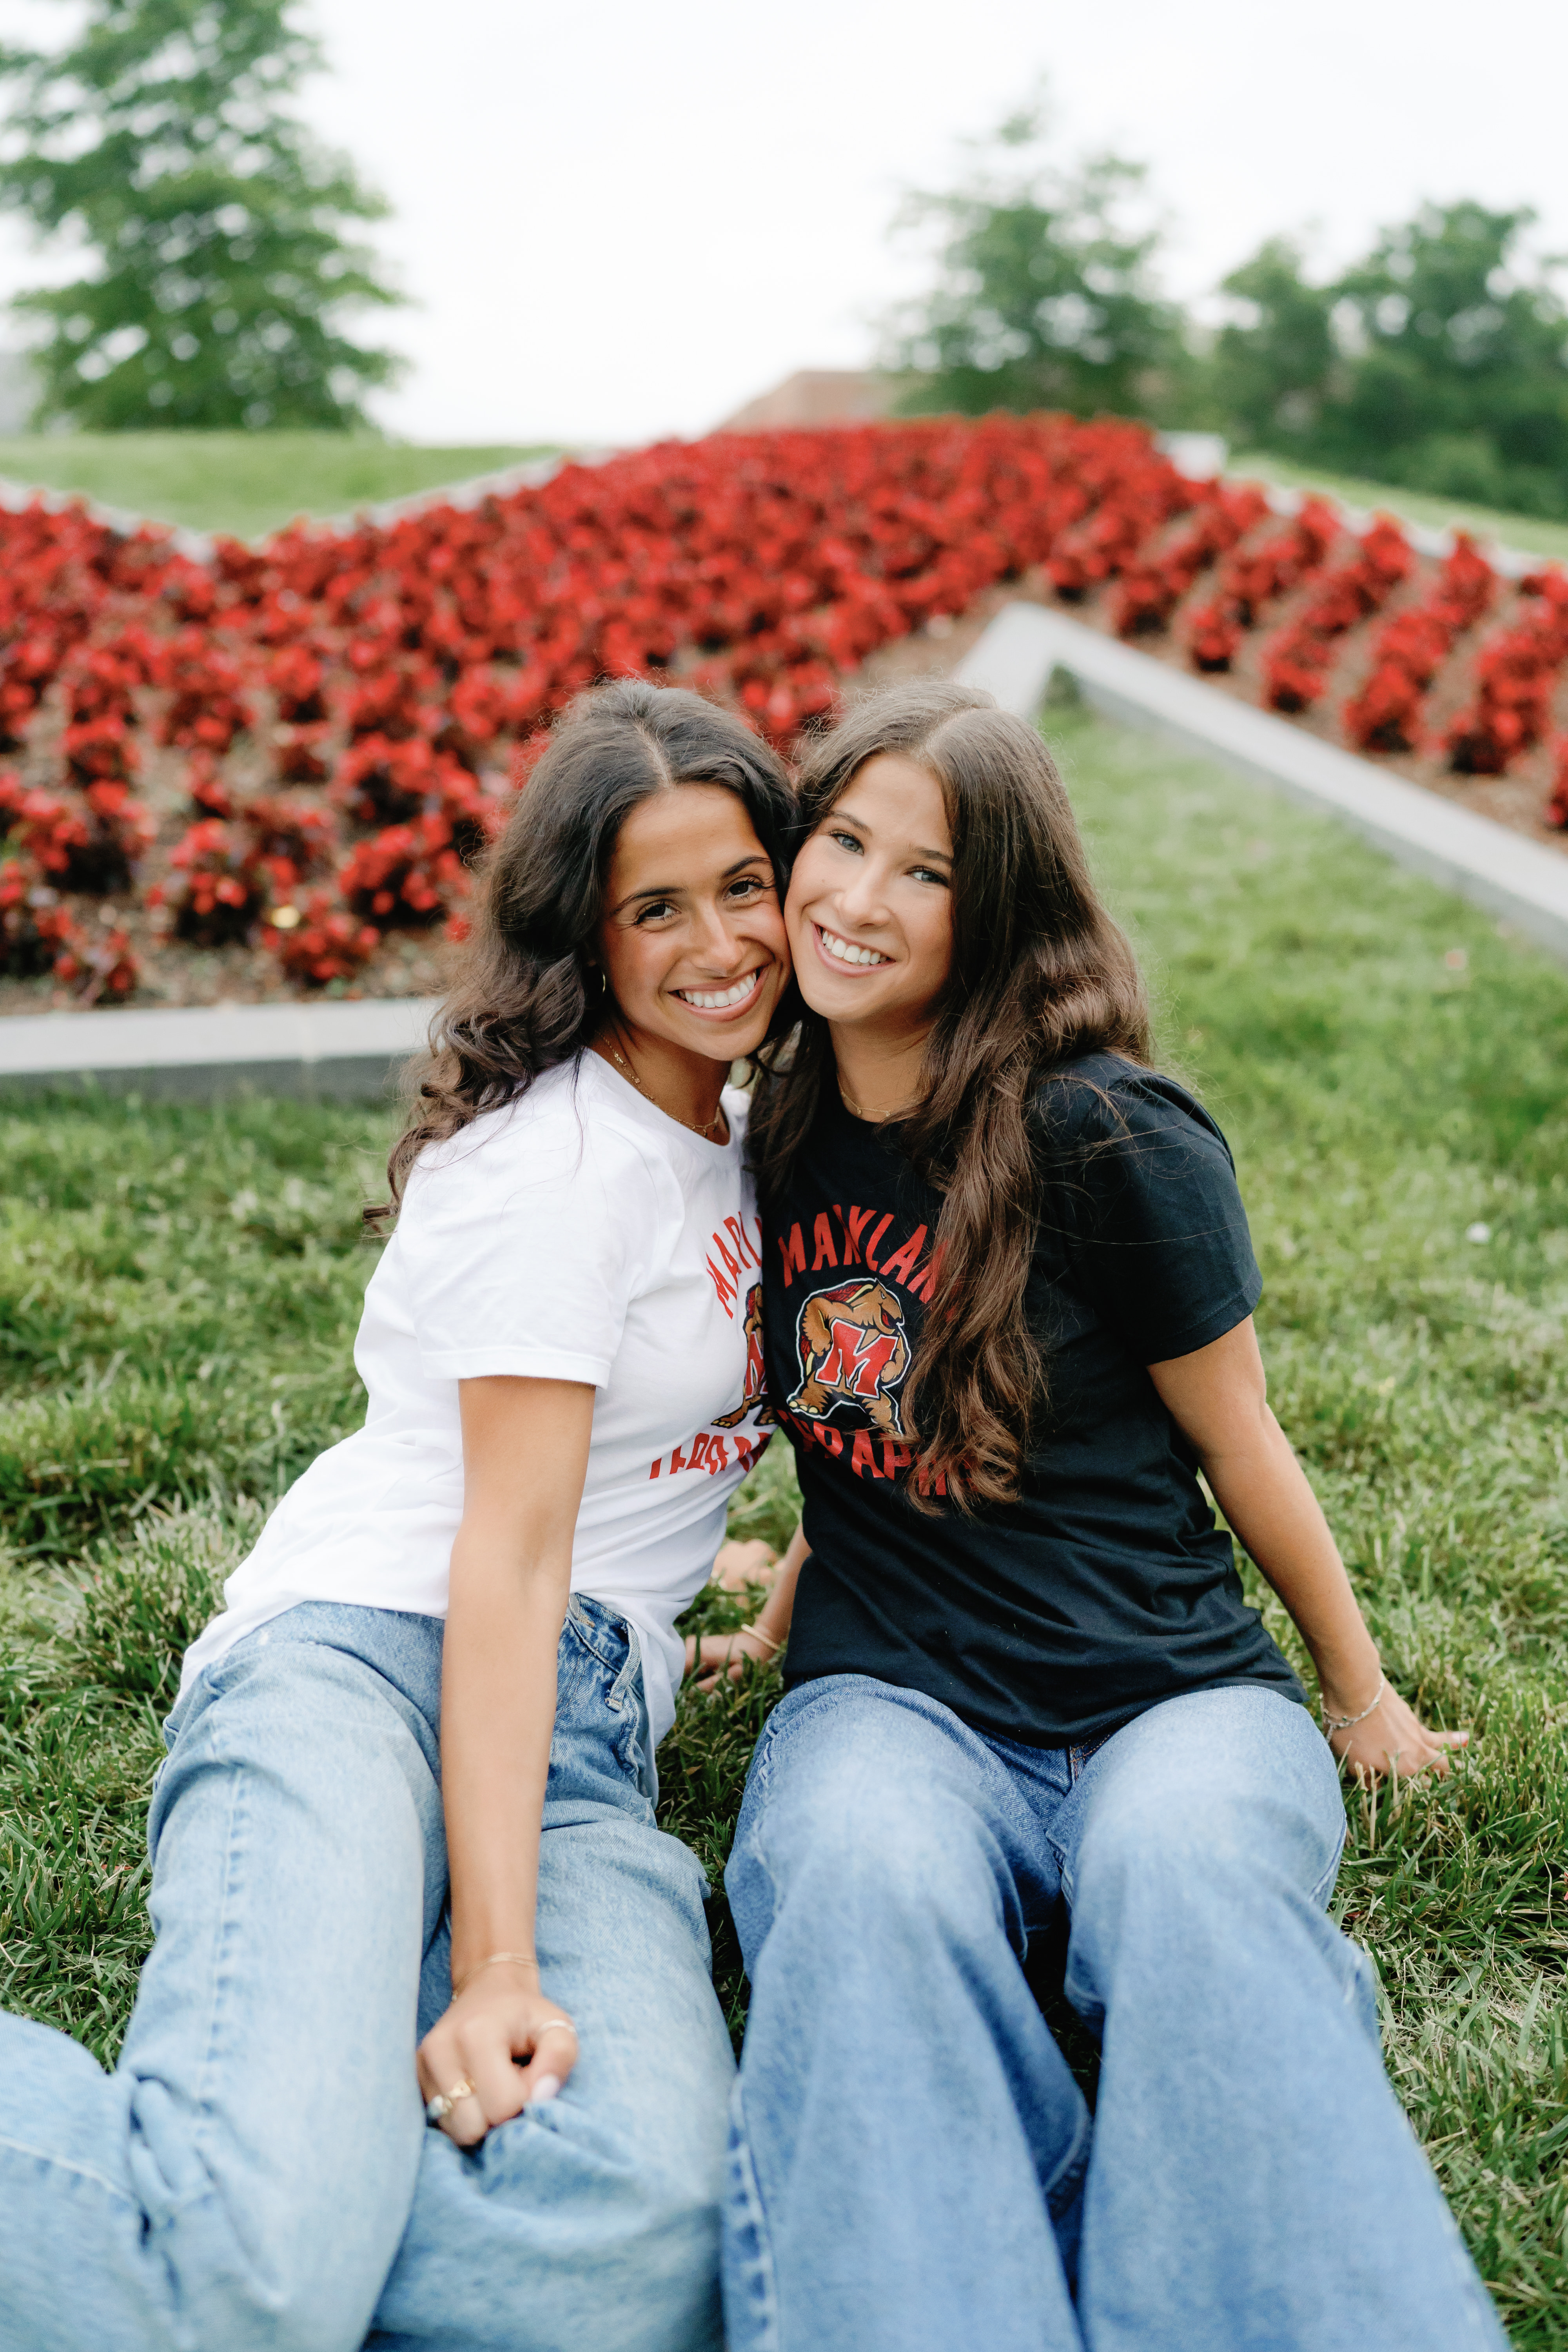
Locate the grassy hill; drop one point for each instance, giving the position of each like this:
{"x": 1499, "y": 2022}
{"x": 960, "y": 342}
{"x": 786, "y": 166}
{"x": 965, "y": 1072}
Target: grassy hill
{"x": 245, "y": 483}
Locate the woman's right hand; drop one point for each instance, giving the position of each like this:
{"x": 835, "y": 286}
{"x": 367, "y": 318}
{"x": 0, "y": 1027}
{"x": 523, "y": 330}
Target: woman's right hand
{"x": 714, "y": 1654}
{"x": 504, "y": 2038}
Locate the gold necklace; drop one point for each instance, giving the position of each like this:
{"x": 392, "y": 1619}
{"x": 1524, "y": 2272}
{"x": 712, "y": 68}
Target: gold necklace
{"x": 872, "y": 1118}
{"x": 707, "y": 1126}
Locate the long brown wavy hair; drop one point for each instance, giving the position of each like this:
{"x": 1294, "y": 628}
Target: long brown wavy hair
{"x": 527, "y": 996}
{"x": 1040, "y": 975}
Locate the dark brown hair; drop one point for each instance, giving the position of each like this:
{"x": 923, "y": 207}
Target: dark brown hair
{"x": 526, "y": 999}
{"x": 1040, "y": 974}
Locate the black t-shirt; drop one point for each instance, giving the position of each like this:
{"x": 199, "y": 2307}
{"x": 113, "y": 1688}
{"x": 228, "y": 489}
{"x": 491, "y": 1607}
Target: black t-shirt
{"x": 1107, "y": 1585}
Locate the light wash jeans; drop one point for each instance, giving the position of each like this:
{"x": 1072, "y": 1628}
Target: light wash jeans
{"x": 913, "y": 2166}
{"x": 258, "y": 2171}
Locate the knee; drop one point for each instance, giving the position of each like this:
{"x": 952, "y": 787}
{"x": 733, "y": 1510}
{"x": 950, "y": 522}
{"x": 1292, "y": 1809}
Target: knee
{"x": 249, "y": 2266}
{"x": 1202, "y": 1861}
{"x": 891, "y": 1859}
{"x": 1147, "y": 1835}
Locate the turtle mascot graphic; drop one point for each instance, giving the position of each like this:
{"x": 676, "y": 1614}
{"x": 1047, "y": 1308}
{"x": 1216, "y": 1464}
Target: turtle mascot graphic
{"x": 754, "y": 1393}
{"x": 854, "y": 1351}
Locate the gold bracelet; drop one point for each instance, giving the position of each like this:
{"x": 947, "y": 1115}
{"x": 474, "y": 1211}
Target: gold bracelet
{"x": 496, "y": 1960}
{"x": 772, "y": 1645}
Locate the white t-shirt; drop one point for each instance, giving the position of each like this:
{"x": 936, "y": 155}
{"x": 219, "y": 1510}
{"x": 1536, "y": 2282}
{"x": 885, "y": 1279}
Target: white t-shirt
{"x": 576, "y": 1235}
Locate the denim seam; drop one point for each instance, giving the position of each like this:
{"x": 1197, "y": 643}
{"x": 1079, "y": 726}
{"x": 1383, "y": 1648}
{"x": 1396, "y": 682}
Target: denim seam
{"x": 582, "y": 1625}
{"x": 64, "y": 2164}
{"x": 631, "y": 1672}
{"x": 762, "y": 2287}
{"x": 1073, "y": 2166}
{"x": 221, "y": 1935}
{"x": 1324, "y": 1887}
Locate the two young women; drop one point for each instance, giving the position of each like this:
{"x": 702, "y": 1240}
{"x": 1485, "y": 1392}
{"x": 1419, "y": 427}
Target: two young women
{"x": 448, "y": 1662}
{"x": 1008, "y": 1291}
{"x": 1007, "y": 1312}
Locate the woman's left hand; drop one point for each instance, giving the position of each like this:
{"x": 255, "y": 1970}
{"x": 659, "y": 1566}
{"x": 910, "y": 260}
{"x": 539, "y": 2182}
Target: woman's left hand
{"x": 715, "y": 1655}
{"x": 498, "y": 2046}
{"x": 1391, "y": 1741}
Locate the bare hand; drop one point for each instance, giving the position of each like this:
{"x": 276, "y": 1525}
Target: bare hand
{"x": 720, "y": 1653}
{"x": 507, "y": 2041}
{"x": 1391, "y": 1741}
{"x": 736, "y": 1565}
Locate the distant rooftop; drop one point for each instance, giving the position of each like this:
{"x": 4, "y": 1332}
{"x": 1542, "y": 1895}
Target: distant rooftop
{"x": 817, "y": 397}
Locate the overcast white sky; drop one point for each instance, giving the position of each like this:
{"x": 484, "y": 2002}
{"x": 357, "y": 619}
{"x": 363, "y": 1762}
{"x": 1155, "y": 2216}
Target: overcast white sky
{"x": 623, "y": 219}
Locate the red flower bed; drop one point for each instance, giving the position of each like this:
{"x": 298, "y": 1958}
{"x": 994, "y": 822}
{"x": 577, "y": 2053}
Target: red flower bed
{"x": 1411, "y": 649}
{"x": 1295, "y": 662}
{"x": 399, "y": 668}
{"x": 1517, "y": 673}
{"x": 1256, "y": 576}
{"x": 406, "y": 877}
{"x": 303, "y": 747}
{"x": 1149, "y": 591}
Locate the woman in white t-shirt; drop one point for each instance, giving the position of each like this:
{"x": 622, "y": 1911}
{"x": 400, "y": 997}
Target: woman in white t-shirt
{"x": 467, "y": 1610}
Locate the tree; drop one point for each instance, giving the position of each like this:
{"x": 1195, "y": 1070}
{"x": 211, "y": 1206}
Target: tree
{"x": 1045, "y": 295}
{"x": 161, "y": 135}
{"x": 1439, "y": 361}
{"x": 1270, "y": 368}
{"x": 1458, "y": 374}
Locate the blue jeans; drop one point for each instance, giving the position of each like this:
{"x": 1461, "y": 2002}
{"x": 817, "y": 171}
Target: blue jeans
{"x": 258, "y": 2170}
{"x": 912, "y": 2165}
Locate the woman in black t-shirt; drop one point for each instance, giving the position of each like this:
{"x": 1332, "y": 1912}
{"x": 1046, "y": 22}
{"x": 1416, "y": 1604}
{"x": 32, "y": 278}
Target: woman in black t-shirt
{"x": 1008, "y": 1293}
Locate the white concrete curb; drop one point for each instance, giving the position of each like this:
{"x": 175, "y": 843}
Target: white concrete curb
{"x": 336, "y": 1051}
{"x": 1486, "y": 863}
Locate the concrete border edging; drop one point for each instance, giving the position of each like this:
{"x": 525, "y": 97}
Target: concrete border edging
{"x": 1486, "y": 863}
{"x": 333, "y": 1052}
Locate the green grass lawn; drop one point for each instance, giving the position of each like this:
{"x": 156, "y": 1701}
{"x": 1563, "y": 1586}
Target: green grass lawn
{"x": 1486, "y": 522}
{"x": 180, "y": 1288}
{"x": 244, "y": 483}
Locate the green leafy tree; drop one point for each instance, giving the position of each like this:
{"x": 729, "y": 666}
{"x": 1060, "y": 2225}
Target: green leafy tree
{"x": 1440, "y": 360}
{"x": 1045, "y": 295}
{"x": 1271, "y": 367}
{"x": 161, "y": 135}
{"x": 1457, "y": 378}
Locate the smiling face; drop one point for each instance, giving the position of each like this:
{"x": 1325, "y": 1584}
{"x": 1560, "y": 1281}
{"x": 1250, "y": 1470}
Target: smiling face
{"x": 692, "y": 939}
{"x": 869, "y": 912}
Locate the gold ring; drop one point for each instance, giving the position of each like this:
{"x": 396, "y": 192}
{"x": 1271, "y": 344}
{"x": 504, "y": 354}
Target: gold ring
{"x": 437, "y": 2109}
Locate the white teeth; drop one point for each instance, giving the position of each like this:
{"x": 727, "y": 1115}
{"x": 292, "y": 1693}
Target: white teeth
{"x": 844, "y": 950}
{"x": 717, "y": 1000}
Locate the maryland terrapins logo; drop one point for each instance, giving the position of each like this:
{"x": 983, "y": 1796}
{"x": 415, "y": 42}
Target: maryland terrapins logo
{"x": 853, "y": 1350}
{"x": 756, "y": 1388}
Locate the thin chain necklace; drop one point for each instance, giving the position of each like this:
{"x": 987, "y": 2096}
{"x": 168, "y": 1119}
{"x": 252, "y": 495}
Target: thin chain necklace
{"x": 707, "y": 1126}
{"x": 872, "y": 1118}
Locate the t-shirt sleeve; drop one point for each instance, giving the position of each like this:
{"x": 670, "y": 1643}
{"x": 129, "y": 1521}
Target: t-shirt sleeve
{"x": 1145, "y": 1186}
{"x": 520, "y": 1250}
